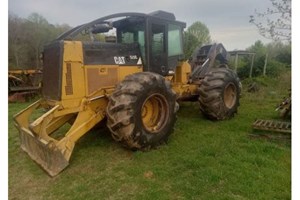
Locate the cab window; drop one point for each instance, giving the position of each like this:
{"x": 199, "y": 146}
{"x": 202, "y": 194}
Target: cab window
{"x": 174, "y": 40}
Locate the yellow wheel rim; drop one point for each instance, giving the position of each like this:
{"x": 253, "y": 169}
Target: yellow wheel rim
{"x": 154, "y": 113}
{"x": 230, "y": 95}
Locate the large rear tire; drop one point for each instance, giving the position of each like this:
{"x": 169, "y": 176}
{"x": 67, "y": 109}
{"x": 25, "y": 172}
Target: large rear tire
{"x": 141, "y": 111}
{"x": 219, "y": 94}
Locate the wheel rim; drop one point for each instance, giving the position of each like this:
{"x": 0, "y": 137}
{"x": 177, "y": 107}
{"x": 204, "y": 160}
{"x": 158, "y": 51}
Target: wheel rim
{"x": 154, "y": 113}
{"x": 230, "y": 95}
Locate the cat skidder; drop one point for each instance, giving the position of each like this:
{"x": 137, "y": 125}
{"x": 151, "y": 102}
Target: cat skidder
{"x": 126, "y": 68}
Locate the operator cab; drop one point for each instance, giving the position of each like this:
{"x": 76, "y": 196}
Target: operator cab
{"x": 153, "y": 40}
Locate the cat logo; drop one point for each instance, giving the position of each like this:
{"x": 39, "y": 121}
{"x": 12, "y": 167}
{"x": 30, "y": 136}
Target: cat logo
{"x": 119, "y": 60}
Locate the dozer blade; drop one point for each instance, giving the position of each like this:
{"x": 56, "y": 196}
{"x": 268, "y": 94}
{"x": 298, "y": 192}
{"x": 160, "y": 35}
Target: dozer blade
{"x": 47, "y": 155}
{"x": 51, "y": 154}
{"x": 35, "y": 139}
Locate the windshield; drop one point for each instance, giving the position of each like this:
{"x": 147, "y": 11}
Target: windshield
{"x": 132, "y": 31}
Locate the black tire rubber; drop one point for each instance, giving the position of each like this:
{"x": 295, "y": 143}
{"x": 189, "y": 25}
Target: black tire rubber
{"x": 124, "y": 110}
{"x": 212, "y": 100}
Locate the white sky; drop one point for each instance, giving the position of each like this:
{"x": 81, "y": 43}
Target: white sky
{"x": 227, "y": 20}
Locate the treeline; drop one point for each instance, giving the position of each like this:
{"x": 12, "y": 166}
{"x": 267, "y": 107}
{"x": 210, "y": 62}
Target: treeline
{"x": 275, "y": 57}
{"x": 26, "y": 37}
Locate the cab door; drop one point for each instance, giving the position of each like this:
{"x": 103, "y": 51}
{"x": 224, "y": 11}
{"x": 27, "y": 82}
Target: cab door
{"x": 158, "y": 48}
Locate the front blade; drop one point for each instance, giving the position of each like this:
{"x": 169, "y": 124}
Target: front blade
{"x": 46, "y": 154}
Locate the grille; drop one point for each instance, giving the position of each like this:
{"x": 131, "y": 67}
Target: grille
{"x": 52, "y": 70}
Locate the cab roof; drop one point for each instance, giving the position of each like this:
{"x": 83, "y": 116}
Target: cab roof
{"x": 159, "y": 15}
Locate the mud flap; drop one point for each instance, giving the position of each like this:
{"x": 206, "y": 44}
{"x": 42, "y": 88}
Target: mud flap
{"x": 46, "y": 154}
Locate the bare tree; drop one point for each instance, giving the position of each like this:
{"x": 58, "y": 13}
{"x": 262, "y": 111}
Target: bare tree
{"x": 275, "y": 23}
{"x": 15, "y": 40}
{"x": 27, "y": 37}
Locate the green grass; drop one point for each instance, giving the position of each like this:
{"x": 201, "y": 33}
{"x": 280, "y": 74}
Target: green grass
{"x": 202, "y": 160}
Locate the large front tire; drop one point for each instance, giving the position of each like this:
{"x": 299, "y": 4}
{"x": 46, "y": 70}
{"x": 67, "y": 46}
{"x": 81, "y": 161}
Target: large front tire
{"x": 141, "y": 111}
{"x": 219, "y": 94}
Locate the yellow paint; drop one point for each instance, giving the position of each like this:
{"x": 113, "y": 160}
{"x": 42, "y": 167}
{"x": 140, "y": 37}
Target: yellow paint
{"x": 22, "y": 71}
{"x": 127, "y": 70}
{"x": 86, "y": 116}
{"x": 182, "y": 73}
{"x": 73, "y": 51}
{"x": 73, "y": 57}
{"x": 103, "y": 70}
{"x": 185, "y": 90}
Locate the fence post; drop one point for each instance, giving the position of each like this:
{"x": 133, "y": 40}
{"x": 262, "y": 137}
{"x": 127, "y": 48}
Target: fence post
{"x": 236, "y": 61}
{"x": 251, "y": 67}
{"x": 265, "y": 65}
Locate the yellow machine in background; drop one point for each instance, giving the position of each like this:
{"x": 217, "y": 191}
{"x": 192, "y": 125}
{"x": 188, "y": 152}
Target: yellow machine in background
{"x": 23, "y": 84}
{"x": 133, "y": 80}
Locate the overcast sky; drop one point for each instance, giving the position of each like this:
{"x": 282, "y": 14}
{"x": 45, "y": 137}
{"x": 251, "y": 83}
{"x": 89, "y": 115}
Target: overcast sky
{"x": 227, "y": 20}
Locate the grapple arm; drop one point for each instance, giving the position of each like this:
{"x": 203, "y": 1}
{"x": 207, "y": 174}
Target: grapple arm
{"x": 204, "y": 59}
